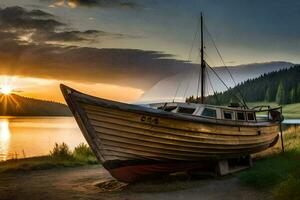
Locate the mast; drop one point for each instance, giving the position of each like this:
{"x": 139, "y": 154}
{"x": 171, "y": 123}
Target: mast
{"x": 202, "y": 65}
{"x": 202, "y": 62}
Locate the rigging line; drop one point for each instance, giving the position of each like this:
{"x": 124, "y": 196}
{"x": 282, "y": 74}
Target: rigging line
{"x": 198, "y": 85}
{"x": 218, "y": 76}
{"x": 189, "y": 82}
{"x": 207, "y": 86}
{"x": 212, "y": 87}
{"x": 219, "y": 54}
{"x": 189, "y": 57}
{"x": 209, "y": 59}
{"x": 178, "y": 86}
{"x": 225, "y": 84}
{"x": 214, "y": 44}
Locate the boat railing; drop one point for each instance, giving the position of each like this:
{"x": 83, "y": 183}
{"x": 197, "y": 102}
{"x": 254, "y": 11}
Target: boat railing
{"x": 266, "y": 113}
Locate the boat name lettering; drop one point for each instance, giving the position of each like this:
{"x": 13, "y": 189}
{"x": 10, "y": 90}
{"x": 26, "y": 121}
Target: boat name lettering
{"x": 148, "y": 119}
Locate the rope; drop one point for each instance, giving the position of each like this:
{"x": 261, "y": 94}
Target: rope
{"x": 224, "y": 83}
{"x": 189, "y": 57}
{"x": 214, "y": 44}
{"x": 198, "y": 84}
{"x": 212, "y": 87}
{"x": 219, "y": 54}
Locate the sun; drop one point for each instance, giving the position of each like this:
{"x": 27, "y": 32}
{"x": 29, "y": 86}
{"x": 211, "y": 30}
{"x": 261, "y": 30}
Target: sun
{"x": 6, "y": 89}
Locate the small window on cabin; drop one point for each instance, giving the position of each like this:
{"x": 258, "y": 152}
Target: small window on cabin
{"x": 186, "y": 110}
{"x": 241, "y": 116}
{"x": 169, "y": 108}
{"x": 227, "y": 115}
{"x": 208, "y": 112}
{"x": 250, "y": 116}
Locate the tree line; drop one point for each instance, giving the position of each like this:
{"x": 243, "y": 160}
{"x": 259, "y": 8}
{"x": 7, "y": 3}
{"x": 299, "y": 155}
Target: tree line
{"x": 15, "y": 105}
{"x": 281, "y": 86}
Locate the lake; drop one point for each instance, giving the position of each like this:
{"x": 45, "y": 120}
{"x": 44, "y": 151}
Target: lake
{"x": 34, "y": 136}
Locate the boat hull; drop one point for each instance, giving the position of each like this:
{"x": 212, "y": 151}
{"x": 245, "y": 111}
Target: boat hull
{"x": 161, "y": 142}
{"x": 125, "y": 172}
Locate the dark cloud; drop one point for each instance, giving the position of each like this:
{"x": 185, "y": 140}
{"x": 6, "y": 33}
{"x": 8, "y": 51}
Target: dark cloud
{"x": 19, "y": 18}
{"x": 26, "y": 51}
{"x": 127, "y": 4}
{"x": 77, "y": 36}
{"x": 106, "y": 3}
{"x": 43, "y": 27}
{"x": 126, "y": 67}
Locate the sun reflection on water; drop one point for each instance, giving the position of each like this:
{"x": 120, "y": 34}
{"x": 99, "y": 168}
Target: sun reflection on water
{"x": 4, "y": 138}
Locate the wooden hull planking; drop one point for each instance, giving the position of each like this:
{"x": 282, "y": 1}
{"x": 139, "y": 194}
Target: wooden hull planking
{"x": 116, "y": 133}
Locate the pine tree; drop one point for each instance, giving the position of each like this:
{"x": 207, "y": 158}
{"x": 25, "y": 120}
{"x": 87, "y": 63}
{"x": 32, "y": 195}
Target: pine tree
{"x": 268, "y": 96}
{"x": 292, "y": 96}
{"x": 298, "y": 93}
{"x": 280, "y": 96}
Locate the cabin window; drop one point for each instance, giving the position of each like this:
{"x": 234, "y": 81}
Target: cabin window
{"x": 227, "y": 115}
{"x": 208, "y": 112}
{"x": 250, "y": 116}
{"x": 241, "y": 116}
{"x": 186, "y": 110}
{"x": 169, "y": 108}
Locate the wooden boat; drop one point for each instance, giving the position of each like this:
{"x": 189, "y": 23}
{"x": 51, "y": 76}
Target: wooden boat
{"x": 134, "y": 141}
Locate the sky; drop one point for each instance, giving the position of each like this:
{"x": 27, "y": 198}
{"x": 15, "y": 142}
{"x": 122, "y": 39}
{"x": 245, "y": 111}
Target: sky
{"x": 104, "y": 47}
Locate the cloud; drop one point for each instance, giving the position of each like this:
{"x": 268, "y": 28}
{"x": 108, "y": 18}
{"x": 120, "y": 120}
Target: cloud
{"x": 17, "y": 18}
{"x": 123, "y": 4}
{"x": 65, "y": 37}
{"x": 126, "y": 67}
{"x": 38, "y": 26}
{"x": 26, "y": 50}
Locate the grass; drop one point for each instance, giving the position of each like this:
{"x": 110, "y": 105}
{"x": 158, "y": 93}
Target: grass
{"x": 60, "y": 156}
{"x": 278, "y": 172}
{"x": 290, "y": 111}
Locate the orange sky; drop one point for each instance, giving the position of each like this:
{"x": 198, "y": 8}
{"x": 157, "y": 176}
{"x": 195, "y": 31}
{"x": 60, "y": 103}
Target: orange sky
{"x": 49, "y": 89}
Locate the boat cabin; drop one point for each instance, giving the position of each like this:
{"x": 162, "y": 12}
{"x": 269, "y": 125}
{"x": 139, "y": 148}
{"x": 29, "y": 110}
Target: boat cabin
{"x": 209, "y": 111}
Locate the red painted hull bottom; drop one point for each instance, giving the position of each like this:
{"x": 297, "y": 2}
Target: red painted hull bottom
{"x": 135, "y": 173}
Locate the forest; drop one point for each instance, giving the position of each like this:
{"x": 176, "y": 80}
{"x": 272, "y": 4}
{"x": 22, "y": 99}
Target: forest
{"x": 15, "y": 105}
{"x": 282, "y": 87}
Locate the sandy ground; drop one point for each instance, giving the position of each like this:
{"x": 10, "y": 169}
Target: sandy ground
{"x": 85, "y": 182}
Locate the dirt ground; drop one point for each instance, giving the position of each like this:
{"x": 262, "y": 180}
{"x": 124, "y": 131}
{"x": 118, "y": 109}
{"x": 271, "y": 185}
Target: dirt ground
{"x": 93, "y": 182}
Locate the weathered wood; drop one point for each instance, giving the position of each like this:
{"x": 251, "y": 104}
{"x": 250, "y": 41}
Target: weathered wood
{"x": 224, "y": 168}
{"x": 117, "y": 131}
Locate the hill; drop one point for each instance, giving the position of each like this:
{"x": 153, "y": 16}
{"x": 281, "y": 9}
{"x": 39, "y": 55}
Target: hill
{"x": 165, "y": 89}
{"x": 15, "y": 105}
{"x": 282, "y": 87}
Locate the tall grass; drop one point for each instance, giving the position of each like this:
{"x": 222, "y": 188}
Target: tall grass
{"x": 59, "y": 156}
{"x": 61, "y": 151}
{"x": 278, "y": 172}
{"x": 84, "y": 153}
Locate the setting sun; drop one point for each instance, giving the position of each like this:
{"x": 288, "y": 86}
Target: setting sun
{"x": 6, "y": 89}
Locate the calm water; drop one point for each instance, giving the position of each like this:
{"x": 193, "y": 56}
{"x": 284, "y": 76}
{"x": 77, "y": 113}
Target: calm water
{"x": 292, "y": 121}
{"x": 34, "y": 136}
